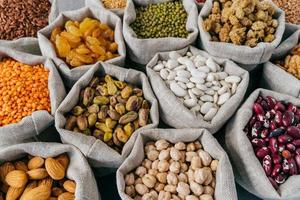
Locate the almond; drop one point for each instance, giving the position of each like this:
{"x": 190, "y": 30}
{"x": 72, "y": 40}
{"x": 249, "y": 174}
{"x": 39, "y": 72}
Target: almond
{"x": 55, "y": 169}
{"x": 29, "y": 187}
{"x": 20, "y": 165}
{"x": 16, "y": 178}
{"x": 47, "y": 182}
{"x": 14, "y": 193}
{"x": 35, "y": 162}
{"x": 39, "y": 193}
{"x": 70, "y": 186}
{"x": 56, "y": 191}
{"x": 37, "y": 174}
{"x": 5, "y": 169}
{"x": 64, "y": 160}
{"x": 66, "y": 196}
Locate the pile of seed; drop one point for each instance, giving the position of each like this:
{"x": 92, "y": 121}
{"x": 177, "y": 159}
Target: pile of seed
{"x": 20, "y": 18}
{"x": 161, "y": 20}
{"x": 291, "y": 9}
{"x": 112, "y": 4}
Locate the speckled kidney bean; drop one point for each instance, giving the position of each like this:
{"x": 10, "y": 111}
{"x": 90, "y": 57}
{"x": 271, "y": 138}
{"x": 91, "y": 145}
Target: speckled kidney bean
{"x": 267, "y": 164}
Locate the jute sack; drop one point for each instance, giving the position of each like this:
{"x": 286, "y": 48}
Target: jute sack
{"x": 239, "y": 53}
{"x": 248, "y": 170}
{"x": 276, "y": 78}
{"x": 34, "y": 124}
{"x": 175, "y": 114}
{"x": 78, "y": 170}
{"x": 142, "y": 50}
{"x": 225, "y": 185}
{"x": 105, "y": 16}
{"x": 98, "y": 153}
{"x": 96, "y": 3}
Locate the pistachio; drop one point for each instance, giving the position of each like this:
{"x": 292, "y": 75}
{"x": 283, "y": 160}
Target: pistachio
{"x": 77, "y": 110}
{"x": 132, "y": 103}
{"x": 112, "y": 88}
{"x": 94, "y": 82}
{"x": 110, "y": 123}
{"x": 116, "y": 140}
{"x": 98, "y": 134}
{"x": 136, "y": 124}
{"x": 103, "y": 112}
{"x": 107, "y": 136}
{"x": 101, "y": 100}
{"x": 108, "y": 79}
{"x": 138, "y": 92}
{"x": 82, "y": 123}
{"x": 121, "y": 135}
{"x": 128, "y": 117}
{"x": 88, "y": 96}
{"x": 113, "y": 114}
{"x": 102, "y": 90}
{"x": 103, "y": 127}
{"x": 126, "y": 92}
{"x": 71, "y": 122}
{"x": 121, "y": 100}
{"x": 129, "y": 129}
{"x": 93, "y": 108}
{"x": 87, "y": 132}
{"x": 76, "y": 130}
{"x": 113, "y": 100}
{"x": 120, "y": 108}
{"x": 145, "y": 104}
{"x": 143, "y": 117}
{"x": 120, "y": 84}
{"x": 92, "y": 119}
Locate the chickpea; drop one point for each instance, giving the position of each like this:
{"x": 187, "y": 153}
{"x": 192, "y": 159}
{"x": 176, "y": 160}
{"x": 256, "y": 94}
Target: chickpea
{"x": 182, "y": 156}
{"x": 130, "y": 191}
{"x": 162, "y": 177}
{"x": 175, "y": 167}
{"x": 159, "y": 187}
{"x": 152, "y": 172}
{"x": 214, "y": 165}
{"x": 149, "y": 180}
{"x": 198, "y": 145}
{"x": 129, "y": 179}
{"x": 209, "y": 176}
{"x": 191, "y": 197}
{"x": 149, "y": 146}
{"x": 141, "y": 189}
{"x": 175, "y": 154}
{"x": 163, "y": 166}
{"x": 205, "y": 157}
{"x": 148, "y": 196}
{"x": 196, "y": 188}
{"x": 190, "y": 175}
{"x": 140, "y": 171}
{"x": 209, "y": 190}
{"x": 152, "y": 155}
{"x": 180, "y": 146}
{"x": 175, "y": 197}
{"x": 155, "y": 165}
{"x": 138, "y": 180}
{"x": 183, "y": 167}
{"x": 164, "y": 154}
{"x": 200, "y": 175}
{"x": 189, "y": 155}
{"x": 170, "y": 188}
{"x": 190, "y": 147}
{"x": 183, "y": 189}
{"x": 138, "y": 198}
{"x": 154, "y": 194}
{"x": 147, "y": 163}
{"x": 172, "y": 179}
{"x": 182, "y": 178}
{"x": 206, "y": 197}
{"x": 161, "y": 144}
{"x": 164, "y": 195}
{"x": 196, "y": 163}
{"x": 213, "y": 183}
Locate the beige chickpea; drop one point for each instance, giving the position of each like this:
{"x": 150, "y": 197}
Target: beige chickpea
{"x": 214, "y": 165}
{"x": 175, "y": 197}
{"x": 183, "y": 167}
{"x": 213, "y": 183}
{"x": 162, "y": 177}
{"x": 196, "y": 163}
{"x": 149, "y": 146}
{"x": 198, "y": 145}
{"x": 205, "y": 157}
{"x": 190, "y": 147}
{"x": 164, "y": 154}
{"x": 209, "y": 190}
{"x": 182, "y": 177}
{"x": 154, "y": 194}
{"x": 159, "y": 187}
{"x": 182, "y": 156}
{"x": 180, "y": 146}
{"x": 138, "y": 198}
{"x": 152, "y": 155}
{"x": 141, "y": 189}
{"x": 129, "y": 179}
{"x": 161, "y": 144}
{"x": 147, "y": 163}
{"x": 189, "y": 155}
{"x": 163, "y": 195}
{"x": 149, "y": 180}
{"x": 200, "y": 175}
{"x": 175, "y": 154}
{"x": 190, "y": 174}
{"x": 196, "y": 188}
{"x": 191, "y": 197}
{"x": 148, "y": 196}
{"x": 130, "y": 191}
{"x": 175, "y": 167}
{"x": 152, "y": 172}
{"x": 155, "y": 165}
{"x": 172, "y": 179}
{"x": 170, "y": 188}
{"x": 183, "y": 189}
{"x": 209, "y": 176}
{"x": 163, "y": 166}
{"x": 140, "y": 171}
{"x": 137, "y": 181}
{"x": 206, "y": 197}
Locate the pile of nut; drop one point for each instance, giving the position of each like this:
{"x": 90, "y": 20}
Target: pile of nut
{"x": 36, "y": 178}
{"x": 291, "y": 9}
{"x": 292, "y": 62}
{"x": 241, "y": 22}
{"x": 86, "y": 42}
{"x": 113, "y": 4}
{"x": 173, "y": 171}
{"x": 274, "y": 131}
{"x": 110, "y": 110}
{"x": 199, "y": 82}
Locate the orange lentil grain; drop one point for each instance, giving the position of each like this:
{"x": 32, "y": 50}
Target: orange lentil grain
{"x": 23, "y": 90}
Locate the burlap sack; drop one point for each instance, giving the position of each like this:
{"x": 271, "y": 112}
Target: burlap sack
{"x": 78, "y": 170}
{"x": 105, "y": 16}
{"x": 142, "y": 50}
{"x": 34, "y": 124}
{"x": 98, "y": 153}
{"x": 248, "y": 170}
{"x": 99, "y": 3}
{"x": 275, "y": 78}
{"x": 175, "y": 114}
{"x": 238, "y": 53}
{"x": 225, "y": 185}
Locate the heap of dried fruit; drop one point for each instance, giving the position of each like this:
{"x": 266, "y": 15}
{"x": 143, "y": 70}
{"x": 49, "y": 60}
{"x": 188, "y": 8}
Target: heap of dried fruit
{"x": 110, "y": 110}
{"x": 23, "y": 90}
{"x": 274, "y": 131}
{"x": 113, "y": 4}
{"x": 36, "y": 178}
{"x": 84, "y": 43}
{"x": 241, "y": 22}
{"x": 173, "y": 171}
{"x": 292, "y": 62}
